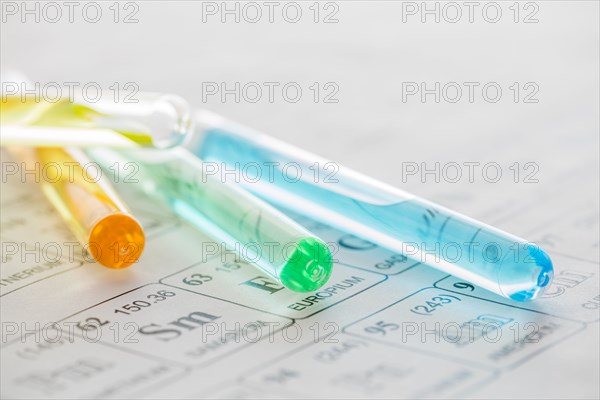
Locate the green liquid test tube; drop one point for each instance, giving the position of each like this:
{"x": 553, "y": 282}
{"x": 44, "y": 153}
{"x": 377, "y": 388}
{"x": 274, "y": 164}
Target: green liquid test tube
{"x": 259, "y": 233}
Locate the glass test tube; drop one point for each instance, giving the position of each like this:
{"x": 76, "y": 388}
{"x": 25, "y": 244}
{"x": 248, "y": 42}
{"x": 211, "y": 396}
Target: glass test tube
{"x": 256, "y": 231}
{"x": 495, "y": 260}
{"x": 461, "y": 246}
{"x": 149, "y": 119}
{"x": 90, "y": 207}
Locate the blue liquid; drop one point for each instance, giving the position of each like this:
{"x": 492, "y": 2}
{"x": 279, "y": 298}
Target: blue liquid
{"x": 458, "y": 245}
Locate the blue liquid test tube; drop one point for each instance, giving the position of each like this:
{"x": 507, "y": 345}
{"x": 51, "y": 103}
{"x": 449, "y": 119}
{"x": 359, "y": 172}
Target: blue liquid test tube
{"x": 458, "y": 245}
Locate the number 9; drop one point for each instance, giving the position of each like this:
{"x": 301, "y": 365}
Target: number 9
{"x": 464, "y": 285}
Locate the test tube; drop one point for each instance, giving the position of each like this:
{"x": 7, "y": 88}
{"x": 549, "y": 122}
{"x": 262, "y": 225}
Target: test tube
{"x": 109, "y": 119}
{"x": 456, "y": 244}
{"x": 256, "y": 231}
{"x": 493, "y": 259}
{"x": 90, "y": 207}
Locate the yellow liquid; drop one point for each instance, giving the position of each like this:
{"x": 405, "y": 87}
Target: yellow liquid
{"x": 61, "y": 123}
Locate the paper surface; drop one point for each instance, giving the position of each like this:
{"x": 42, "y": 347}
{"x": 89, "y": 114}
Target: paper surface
{"x": 178, "y": 324}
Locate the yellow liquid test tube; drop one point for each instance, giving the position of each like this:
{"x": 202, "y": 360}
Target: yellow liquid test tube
{"x": 153, "y": 120}
{"x": 91, "y": 208}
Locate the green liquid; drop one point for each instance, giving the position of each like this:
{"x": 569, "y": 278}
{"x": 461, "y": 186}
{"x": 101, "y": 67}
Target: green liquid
{"x": 308, "y": 268}
{"x": 256, "y": 231}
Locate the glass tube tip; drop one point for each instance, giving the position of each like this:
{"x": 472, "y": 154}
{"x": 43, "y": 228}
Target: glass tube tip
{"x": 116, "y": 240}
{"x": 309, "y": 266}
{"x": 527, "y": 280}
